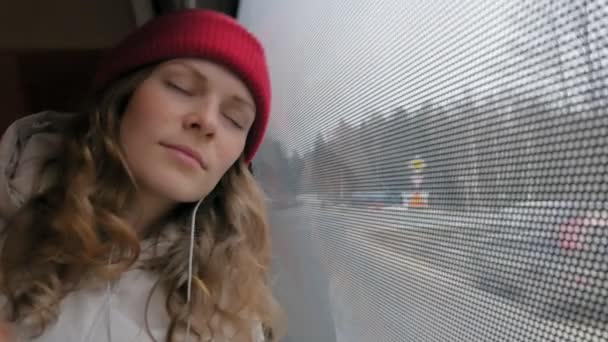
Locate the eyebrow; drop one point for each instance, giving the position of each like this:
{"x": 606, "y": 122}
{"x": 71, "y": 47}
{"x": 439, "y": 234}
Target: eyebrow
{"x": 192, "y": 69}
{"x": 200, "y": 75}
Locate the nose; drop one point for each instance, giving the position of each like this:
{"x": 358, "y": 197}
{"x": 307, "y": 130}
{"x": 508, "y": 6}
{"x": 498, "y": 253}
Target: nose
{"x": 203, "y": 119}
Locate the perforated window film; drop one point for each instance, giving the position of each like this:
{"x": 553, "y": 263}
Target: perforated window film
{"x": 437, "y": 170}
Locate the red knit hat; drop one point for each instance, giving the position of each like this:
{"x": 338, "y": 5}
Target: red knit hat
{"x": 202, "y": 34}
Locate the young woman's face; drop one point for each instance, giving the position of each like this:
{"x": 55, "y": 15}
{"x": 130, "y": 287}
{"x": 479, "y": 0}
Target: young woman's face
{"x": 184, "y": 127}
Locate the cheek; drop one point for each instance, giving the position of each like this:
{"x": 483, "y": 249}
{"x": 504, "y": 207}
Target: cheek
{"x": 144, "y": 115}
{"x": 142, "y": 106}
{"x": 231, "y": 151}
{"x": 131, "y": 143}
{"x": 132, "y": 129}
{"x": 139, "y": 127}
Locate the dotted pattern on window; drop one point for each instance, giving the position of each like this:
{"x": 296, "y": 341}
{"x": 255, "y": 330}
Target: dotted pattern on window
{"x": 438, "y": 170}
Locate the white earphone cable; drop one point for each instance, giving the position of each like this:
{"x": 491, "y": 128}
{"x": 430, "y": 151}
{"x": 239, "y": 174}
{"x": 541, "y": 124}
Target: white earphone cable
{"x": 190, "y": 264}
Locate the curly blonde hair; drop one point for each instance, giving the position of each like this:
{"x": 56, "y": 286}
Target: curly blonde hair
{"x": 70, "y": 230}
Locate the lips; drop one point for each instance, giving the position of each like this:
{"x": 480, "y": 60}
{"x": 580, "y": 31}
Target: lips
{"x": 189, "y": 152}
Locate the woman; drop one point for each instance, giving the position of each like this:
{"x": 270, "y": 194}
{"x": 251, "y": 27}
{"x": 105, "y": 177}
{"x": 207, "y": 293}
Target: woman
{"x": 139, "y": 220}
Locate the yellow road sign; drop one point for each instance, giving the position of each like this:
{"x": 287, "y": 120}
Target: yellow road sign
{"x": 418, "y": 164}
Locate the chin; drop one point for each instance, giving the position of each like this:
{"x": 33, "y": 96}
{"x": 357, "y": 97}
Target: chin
{"x": 178, "y": 189}
{"x": 176, "y": 186}
{"x": 185, "y": 195}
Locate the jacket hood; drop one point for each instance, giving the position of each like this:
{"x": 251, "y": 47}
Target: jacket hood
{"x": 27, "y": 147}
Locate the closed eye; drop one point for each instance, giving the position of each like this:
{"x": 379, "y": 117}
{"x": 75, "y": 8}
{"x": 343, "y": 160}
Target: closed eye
{"x": 233, "y": 121}
{"x": 177, "y": 88}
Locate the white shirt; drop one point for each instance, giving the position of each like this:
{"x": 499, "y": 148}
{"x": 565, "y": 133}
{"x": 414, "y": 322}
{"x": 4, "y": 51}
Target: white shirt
{"x": 88, "y": 315}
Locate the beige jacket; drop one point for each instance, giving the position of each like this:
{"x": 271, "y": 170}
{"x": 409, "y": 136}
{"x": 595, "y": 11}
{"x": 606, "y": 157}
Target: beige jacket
{"x": 106, "y": 313}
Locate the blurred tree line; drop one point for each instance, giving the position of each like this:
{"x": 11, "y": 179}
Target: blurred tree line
{"x": 514, "y": 141}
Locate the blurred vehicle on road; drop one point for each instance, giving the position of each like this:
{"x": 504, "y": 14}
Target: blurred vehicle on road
{"x": 549, "y": 256}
